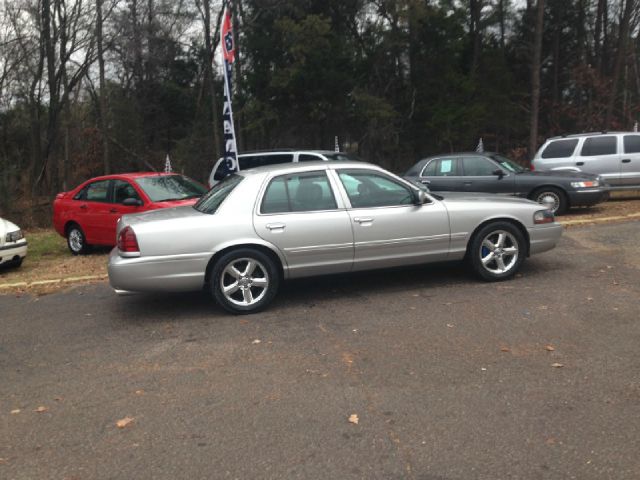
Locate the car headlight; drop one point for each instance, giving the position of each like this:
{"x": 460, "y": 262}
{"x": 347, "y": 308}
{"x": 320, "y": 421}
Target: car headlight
{"x": 543, "y": 216}
{"x": 14, "y": 236}
{"x": 587, "y": 184}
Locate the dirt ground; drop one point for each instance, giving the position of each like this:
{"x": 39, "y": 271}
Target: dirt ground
{"x": 51, "y": 267}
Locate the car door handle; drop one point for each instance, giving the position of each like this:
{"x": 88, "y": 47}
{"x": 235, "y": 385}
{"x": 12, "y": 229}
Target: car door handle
{"x": 426, "y": 182}
{"x": 626, "y": 160}
{"x": 362, "y": 220}
{"x": 114, "y": 210}
{"x": 275, "y": 226}
{"x": 579, "y": 163}
{"x": 83, "y": 207}
{"x": 468, "y": 183}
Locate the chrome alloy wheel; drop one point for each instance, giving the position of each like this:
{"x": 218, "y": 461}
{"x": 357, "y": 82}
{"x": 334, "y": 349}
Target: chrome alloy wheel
{"x": 499, "y": 252}
{"x": 76, "y": 242}
{"x": 244, "y": 281}
{"x": 549, "y": 199}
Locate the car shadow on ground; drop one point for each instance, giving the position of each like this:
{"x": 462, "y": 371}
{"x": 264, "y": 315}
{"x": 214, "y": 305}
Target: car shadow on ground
{"x": 314, "y": 291}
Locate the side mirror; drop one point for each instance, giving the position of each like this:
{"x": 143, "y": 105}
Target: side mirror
{"x": 421, "y": 197}
{"x": 131, "y": 202}
{"x": 499, "y": 173}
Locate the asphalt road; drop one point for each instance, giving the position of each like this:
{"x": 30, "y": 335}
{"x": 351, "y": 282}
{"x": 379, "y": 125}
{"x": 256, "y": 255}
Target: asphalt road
{"x": 450, "y": 377}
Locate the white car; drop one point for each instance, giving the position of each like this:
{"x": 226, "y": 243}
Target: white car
{"x": 13, "y": 245}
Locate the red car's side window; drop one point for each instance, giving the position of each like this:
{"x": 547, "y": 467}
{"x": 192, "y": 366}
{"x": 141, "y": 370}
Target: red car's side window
{"x": 94, "y": 192}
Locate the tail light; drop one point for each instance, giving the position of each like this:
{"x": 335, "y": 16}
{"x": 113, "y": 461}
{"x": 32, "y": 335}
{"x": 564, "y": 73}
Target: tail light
{"x": 532, "y": 168}
{"x": 543, "y": 216}
{"x": 127, "y": 241}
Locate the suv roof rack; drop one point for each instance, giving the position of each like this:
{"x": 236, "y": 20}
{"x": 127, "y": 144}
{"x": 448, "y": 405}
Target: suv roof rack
{"x": 586, "y": 134}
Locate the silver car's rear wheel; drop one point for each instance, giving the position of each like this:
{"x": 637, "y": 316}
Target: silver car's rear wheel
{"x": 244, "y": 281}
{"x": 497, "y": 251}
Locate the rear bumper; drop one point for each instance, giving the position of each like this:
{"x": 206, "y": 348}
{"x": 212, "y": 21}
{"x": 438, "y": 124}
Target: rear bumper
{"x": 9, "y": 253}
{"x": 544, "y": 237}
{"x": 589, "y": 196}
{"x": 174, "y": 273}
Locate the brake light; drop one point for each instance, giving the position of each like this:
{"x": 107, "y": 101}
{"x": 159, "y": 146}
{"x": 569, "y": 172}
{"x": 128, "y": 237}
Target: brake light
{"x": 127, "y": 241}
{"x": 532, "y": 167}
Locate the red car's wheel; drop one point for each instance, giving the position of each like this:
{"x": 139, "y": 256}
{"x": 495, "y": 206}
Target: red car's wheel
{"x": 76, "y": 240}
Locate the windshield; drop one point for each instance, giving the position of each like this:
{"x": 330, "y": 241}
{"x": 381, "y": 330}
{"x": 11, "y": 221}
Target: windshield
{"x": 163, "y": 188}
{"x": 508, "y": 164}
{"x": 342, "y": 156}
{"x": 212, "y": 200}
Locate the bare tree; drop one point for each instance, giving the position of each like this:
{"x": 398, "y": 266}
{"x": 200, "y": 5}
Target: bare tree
{"x": 535, "y": 78}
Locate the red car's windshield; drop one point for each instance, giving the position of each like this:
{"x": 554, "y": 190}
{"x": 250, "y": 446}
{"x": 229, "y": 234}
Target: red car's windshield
{"x": 164, "y": 188}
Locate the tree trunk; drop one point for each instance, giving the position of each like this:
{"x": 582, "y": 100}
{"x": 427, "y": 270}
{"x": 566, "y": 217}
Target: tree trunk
{"x": 102, "y": 109}
{"x": 209, "y": 75}
{"x": 535, "y": 79}
{"x": 623, "y": 40}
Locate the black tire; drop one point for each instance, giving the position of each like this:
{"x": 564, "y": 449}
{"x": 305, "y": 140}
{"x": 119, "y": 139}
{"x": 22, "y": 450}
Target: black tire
{"x": 17, "y": 262}
{"x": 76, "y": 241}
{"x": 552, "y": 197}
{"x": 487, "y": 266}
{"x": 254, "y": 289}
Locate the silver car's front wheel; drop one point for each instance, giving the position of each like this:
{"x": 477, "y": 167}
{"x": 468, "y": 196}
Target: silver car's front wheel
{"x": 497, "y": 251}
{"x": 244, "y": 281}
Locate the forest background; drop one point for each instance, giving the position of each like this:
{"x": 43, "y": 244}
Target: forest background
{"x": 89, "y": 87}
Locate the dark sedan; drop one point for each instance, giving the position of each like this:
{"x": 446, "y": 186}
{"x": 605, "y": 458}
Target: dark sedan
{"x": 494, "y": 173}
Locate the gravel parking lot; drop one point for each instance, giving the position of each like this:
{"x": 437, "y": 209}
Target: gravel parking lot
{"x": 449, "y": 378}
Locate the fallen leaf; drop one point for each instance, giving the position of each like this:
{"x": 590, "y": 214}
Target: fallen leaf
{"x": 353, "y": 418}
{"x": 589, "y": 299}
{"x": 505, "y": 349}
{"x": 549, "y": 348}
{"x": 15, "y": 412}
{"x": 449, "y": 325}
{"x": 557, "y": 365}
{"x": 41, "y": 409}
{"x": 139, "y": 392}
{"x": 256, "y": 341}
{"x": 122, "y": 423}
{"x": 58, "y": 399}
{"x": 483, "y": 369}
{"x": 551, "y": 441}
{"x": 3, "y": 461}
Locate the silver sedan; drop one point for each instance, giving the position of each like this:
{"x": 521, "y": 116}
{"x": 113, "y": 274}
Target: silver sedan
{"x": 259, "y": 227}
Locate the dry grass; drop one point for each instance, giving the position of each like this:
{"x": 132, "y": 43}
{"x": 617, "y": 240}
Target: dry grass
{"x": 48, "y": 258}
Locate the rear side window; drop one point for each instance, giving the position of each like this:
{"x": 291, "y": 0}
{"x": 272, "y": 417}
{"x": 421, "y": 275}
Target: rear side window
{"x": 95, "y": 192}
{"x": 253, "y": 161}
{"x": 441, "y": 167}
{"x": 305, "y": 192}
{"x": 632, "y": 144}
{"x": 560, "y": 148}
{"x": 305, "y": 157}
{"x": 599, "y": 146}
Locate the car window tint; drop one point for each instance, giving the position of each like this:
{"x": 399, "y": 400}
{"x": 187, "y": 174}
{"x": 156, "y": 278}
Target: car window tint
{"x": 560, "y": 148}
{"x": 96, "y": 192}
{"x": 599, "y": 146}
{"x": 123, "y": 190}
{"x": 210, "y": 202}
{"x": 306, "y": 157}
{"x": 248, "y": 162}
{"x": 367, "y": 189}
{"x": 478, "y": 167}
{"x": 632, "y": 144}
{"x": 446, "y": 167}
{"x": 305, "y": 192}
{"x": 254, "y": 161}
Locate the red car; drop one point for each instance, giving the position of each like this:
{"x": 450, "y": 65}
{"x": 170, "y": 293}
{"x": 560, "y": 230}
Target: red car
{"x": 87, "y": 215}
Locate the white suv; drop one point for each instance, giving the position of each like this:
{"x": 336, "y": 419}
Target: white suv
{"x": 613, "y": 155}
{"x": 271, "y": 157}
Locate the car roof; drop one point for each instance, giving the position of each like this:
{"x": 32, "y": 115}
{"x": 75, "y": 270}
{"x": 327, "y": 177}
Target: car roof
{"x": 306, "y": 166}
{"x": 285, "y": 151}
{"x": 462, "y": 154}
{"x": 588, "y": 134}
{"x": 133, "y": 175}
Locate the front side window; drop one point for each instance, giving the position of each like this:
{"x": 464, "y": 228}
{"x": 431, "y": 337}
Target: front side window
{"x": 632, "y": 144}
{"x": 371, "y": 189}
{"x": 95, "y": 192}
{"x": 305, "y": 192}
{"x": 478, "y": 167}
{"x": 164, "y": 188}
{"x": 560, "y": 148}
{"x": 599, "y": 146}
{"x": 123, "y": 190}
{"x": 214, "y": 197}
